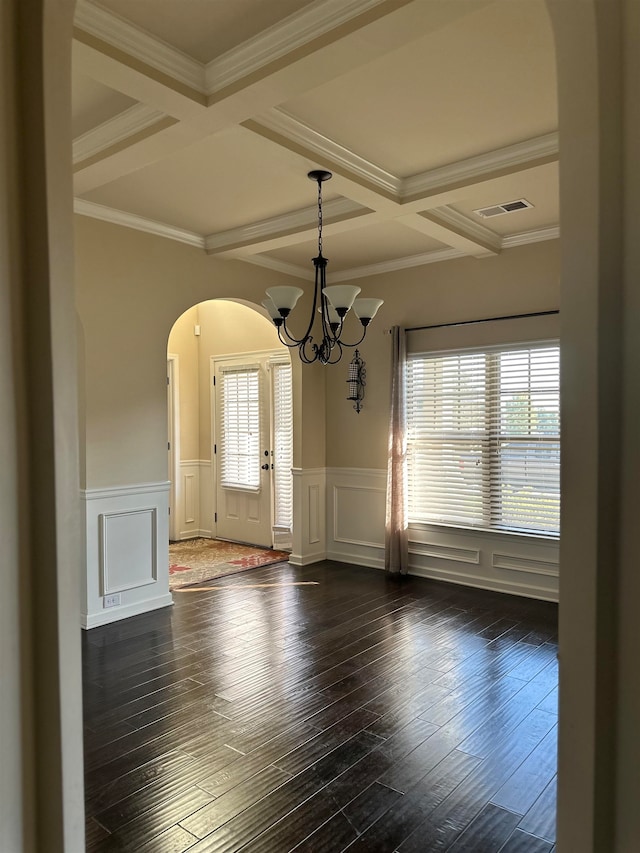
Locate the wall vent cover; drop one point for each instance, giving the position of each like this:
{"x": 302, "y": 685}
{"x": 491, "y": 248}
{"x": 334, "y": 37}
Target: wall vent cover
{"x": 506, "y": 207}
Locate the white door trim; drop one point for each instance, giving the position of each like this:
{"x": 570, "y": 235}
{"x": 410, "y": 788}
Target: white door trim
{"x": 173, "y": 421}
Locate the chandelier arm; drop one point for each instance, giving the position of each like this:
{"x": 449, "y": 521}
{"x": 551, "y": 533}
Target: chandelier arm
{"x": 283, "y": 341}
{"x": 302, "y": 348}
{"x": 337, "y": 348}
{"x": 364, "y": 332}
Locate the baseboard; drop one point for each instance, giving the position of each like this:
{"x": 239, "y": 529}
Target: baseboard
{"x": 307, "y": 559}
{"x": 356, "y": 559}
{"x": 525, "y": 590}
{"x": 194, "y": 534}
{"x": 114, "y": 614}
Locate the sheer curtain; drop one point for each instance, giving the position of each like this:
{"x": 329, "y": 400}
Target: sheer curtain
{"x": 396, "y": 538}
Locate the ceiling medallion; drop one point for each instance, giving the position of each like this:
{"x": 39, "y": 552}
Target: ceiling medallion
{"x": 333, "y": 304}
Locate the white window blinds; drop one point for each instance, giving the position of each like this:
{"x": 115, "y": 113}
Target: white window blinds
{"x": 282, "y": 444}
{"x": 240, "y": 435}
{"x": 484, "y": 438}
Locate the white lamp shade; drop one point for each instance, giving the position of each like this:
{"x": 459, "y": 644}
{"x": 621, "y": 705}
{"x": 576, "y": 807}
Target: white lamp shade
{"x": 332, "y": 314}
{"x": 366, "y": 309}
{"x": 341, "y": 296}
{"x": 285, "y": 297}
{"x": 271, "y": 308}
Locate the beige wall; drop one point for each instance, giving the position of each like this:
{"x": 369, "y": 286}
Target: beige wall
{"x": 518, "y": 281}
{"x": 131, "y": 288}
{"x": 184, "y": 343}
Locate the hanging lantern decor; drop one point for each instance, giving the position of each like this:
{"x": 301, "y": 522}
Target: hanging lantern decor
{"x": 356, "y": 381}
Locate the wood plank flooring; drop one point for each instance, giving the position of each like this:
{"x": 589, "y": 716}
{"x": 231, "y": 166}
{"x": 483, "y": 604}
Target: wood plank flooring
{"x": 349, "y": 713}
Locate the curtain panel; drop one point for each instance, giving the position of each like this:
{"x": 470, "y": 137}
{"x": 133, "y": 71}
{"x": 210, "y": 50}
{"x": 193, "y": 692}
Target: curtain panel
{"x": 396, "y": 539}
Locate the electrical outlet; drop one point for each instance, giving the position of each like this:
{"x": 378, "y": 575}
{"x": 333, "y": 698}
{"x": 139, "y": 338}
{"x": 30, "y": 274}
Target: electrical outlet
{"x": 112, "y": 600}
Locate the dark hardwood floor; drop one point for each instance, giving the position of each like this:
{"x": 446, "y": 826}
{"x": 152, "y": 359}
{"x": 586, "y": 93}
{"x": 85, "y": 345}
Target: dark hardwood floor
{"x": 320, "y": 710}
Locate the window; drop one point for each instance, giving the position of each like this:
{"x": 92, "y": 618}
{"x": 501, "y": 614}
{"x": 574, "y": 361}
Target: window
{"x": 282, "y": 445}
{"x": 240, "y": 436}
{"x": 484, "y": 439}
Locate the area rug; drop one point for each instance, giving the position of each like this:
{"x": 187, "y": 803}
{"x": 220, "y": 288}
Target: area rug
{"x": 196, "y": 560}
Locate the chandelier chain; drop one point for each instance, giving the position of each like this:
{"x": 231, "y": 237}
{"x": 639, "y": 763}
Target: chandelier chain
{"x": 319, "y": 217}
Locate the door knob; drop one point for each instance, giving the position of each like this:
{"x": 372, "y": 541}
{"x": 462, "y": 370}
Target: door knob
{"x": 265, "y": 467}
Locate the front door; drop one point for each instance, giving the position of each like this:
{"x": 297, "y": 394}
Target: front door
{"x": 242, "y": 451}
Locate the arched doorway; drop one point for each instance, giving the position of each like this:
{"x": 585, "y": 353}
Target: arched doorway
{"x": 231, "y": 453}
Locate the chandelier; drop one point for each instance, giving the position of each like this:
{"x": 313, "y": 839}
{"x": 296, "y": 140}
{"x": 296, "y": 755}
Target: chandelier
{"x": 333, "y": 304}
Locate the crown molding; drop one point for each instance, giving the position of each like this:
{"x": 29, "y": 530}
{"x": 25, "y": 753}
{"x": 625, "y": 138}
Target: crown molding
{"x": 283, "y": 38}
{"x": 520, "y": 156}
{"x": 135, "y": 41}
{"x": 294, "y": 32}
{"x": 137, "y": 118}
{"x": 287, "y": 223}
{"x": 464, "y": 226}
{"x": 537, "y": 236}
{"x": 399, "y": 264}
{"x": 277, "y": 266}
{"x": 137, "y": 223}
{"x": 325, "y": 150}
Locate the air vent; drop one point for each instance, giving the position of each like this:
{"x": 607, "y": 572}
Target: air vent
{"x": 506, "y": 207}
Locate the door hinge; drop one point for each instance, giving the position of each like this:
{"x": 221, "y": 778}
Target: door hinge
{"x": 215, "y": 517}
{"x": 215, "y": 448}
{"x": 168, "y": 445}
{"x": 168, "y": 382}
{"x": 214, "y": 380}
{"x": 169, "y": 510}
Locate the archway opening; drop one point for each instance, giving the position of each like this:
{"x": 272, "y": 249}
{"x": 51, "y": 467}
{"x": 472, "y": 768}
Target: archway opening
{"x": 230, "y": 424}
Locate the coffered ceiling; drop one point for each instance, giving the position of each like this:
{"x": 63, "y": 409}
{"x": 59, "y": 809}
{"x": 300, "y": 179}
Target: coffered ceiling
{"x": 199, "y": 119}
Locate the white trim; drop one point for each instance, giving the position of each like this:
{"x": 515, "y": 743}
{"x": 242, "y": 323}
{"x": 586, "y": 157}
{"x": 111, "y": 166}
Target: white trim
{"x": 135, "y": 41}
{"x": 133, "y": 120}
{"x": 513, "y": 587}
{"x": 173, "y": 402}
{"x": 445, "y": 552}
{"x": 516, "y": 563}
{"x": 298, "y": 29}
{"x": 279, "y": 121}
{"x": 114, "y": 614}
{"x": 124, "y": 491}
{"x": 278, "y": 266}
{"x": 399, "y": 264}
{"x": 537, "y": 236}
{"x": 519, "y": 156}
{"x": 286, "y": 223}
{"x": 106, "y": 587}
{"x": 138, "y": 223}
{"x": 461, "y": 224}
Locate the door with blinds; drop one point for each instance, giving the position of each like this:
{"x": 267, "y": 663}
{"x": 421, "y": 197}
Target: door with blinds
{"x": 252, "y": 442}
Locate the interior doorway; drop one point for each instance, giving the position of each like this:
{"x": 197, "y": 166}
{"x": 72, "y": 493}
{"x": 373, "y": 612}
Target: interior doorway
{"x": 230, "y": 441}
{"x": 253, "y": 447}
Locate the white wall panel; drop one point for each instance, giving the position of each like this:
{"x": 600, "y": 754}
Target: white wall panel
{"x": 522, "y": 565}
{"x": 128, "y": 552}
{"x": 127, "y": 547}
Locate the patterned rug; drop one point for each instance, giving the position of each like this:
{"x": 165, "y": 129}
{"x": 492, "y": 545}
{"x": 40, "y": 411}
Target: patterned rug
{"x": 196, "y": 560}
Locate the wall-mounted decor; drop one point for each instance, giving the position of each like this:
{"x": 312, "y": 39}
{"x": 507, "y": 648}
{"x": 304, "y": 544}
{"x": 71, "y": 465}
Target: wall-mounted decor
{"x": 356, "y": 380}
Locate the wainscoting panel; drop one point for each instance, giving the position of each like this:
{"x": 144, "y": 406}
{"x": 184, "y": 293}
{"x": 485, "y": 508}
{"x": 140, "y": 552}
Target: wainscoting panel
{"x": 127, "y": 535}
{"x": 128, "y": 553}
{"x": 309, "y": 516}
{"x": 522, "y": 565}
{"x": 355, "y": 514}
{"x": 194, "y": 505}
